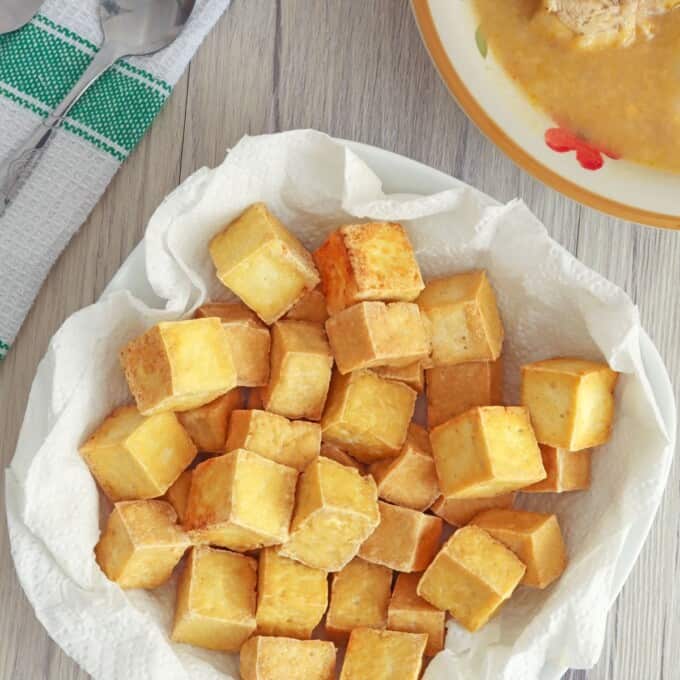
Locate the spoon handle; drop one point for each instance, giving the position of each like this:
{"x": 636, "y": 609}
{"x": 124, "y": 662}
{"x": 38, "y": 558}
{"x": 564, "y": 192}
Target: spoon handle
{"x": 12, "y": 169}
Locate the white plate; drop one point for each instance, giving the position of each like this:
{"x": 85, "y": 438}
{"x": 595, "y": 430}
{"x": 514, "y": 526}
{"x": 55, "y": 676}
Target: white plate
{"x": 398, "y": 175}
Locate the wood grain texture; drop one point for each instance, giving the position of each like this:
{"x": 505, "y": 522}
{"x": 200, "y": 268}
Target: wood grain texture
{"x": 357, "y": 70}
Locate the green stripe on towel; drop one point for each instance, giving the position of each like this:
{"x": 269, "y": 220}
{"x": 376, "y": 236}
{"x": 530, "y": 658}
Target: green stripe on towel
{"x": 40, "y": 63}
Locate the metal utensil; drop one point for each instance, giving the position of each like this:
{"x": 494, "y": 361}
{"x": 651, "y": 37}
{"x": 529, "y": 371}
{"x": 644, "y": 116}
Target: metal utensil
{"x": 16, "y": 13}
{"x": 131, "y": 28}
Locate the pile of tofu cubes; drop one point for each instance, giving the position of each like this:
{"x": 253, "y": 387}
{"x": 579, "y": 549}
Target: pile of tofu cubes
{"x": 272, "y": 441}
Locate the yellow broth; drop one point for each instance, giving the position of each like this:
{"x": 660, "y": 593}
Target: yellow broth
{"x": 624, "y": 99}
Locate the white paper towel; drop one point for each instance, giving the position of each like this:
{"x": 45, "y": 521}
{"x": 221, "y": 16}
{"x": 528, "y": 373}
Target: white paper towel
{"x": 551, "y": 305}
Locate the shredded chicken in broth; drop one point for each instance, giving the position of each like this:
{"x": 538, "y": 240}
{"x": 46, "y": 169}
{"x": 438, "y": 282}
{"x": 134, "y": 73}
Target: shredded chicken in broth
{"x": 608, "y": 70}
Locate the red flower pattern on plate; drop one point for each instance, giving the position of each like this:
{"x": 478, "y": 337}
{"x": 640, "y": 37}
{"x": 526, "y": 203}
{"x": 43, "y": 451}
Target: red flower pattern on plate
{"x": 588, "y": 155}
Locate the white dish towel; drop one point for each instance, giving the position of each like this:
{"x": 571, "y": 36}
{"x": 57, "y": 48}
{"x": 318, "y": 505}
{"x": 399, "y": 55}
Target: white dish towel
{"x": 38, "y": 66}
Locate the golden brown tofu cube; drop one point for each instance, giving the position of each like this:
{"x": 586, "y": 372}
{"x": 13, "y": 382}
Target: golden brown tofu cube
{"x": 566, "y": 470}
{"x": 310, "y": 307}
{"x": 372, "y": 261}
{"x": 410, "y": 479}
{"x": 178, "y": 494}
{"x": 248, "y": 338}
{"x": 471, "y": 576}
{"x": 294, "y": 443}
{"x": 280, "y": 658}
{"x": 339, "y": 456}
{"x": 360, "y": 594}
{"x": 259, "y": 260}
{"x": 207, "y": 425}
{"x": 412, "y": 375}
{"x": 215, "y": 605}
{"x": 409, "y": 613}
{"x": 383, "y": 655}
{"x": 571, "y": 401}
{"x": 301, "y": 363}
{"x": 241, "y": 501}
{"x": 377, "y": 334}
{"x": 141, "y": 544}
{"x": 367, "y": 416}
{"x": 486, "y": 451}
{"x": 291, "y": 597}
{"x": 335, "y": 511}
{"x": 534, "y": 537}
{"x": 179, "y": 365}
{"x": 466, "y": 325}
{"x": 134, "y": 457}
{"x": 452, "y": 390}
{"x": 405, "y": 540}
{"x": 459, "y": 511}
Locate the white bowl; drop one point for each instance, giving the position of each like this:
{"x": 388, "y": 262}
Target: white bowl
{"x": 501, "y": 110}
{"x": 86, "y": 618}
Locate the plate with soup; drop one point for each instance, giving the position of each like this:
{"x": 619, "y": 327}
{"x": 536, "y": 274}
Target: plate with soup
{"x": 583, "y": 94}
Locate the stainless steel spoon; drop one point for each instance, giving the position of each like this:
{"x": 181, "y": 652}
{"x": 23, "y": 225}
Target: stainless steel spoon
{"x": 131, "y": 28}
{"x": 17, "y": 13}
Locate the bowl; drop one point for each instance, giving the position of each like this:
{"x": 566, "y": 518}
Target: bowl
{"x": 500, "y": 109}
{"x": 54, "y": 510}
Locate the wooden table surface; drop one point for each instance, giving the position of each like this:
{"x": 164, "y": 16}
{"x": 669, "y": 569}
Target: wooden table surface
{"x": 356, "y": 70}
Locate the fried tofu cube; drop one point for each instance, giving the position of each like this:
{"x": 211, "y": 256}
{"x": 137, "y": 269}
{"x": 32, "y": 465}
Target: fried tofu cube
{"x": 141, "y": 544}
{"x": 280, "y": 658}
{"x": 295, "y": 443}
{"x": 134, "y": 456}
{"x": 248, "y": 338}
{"x": 486, "y": 451}
{"x": 215, "y": 605}
{"x": 179, "y": 365}
{"x": 410, "y": 479}
{"x": 372, "y": 261}
{"x": 260, "y": 261}
{"x": 471, "y": 576}
{"x": 301, "y": 363}
{"x": 372, "y": 334}
{"x": 207, "y": 425}
{"x": 367, "y": 416}
{"x": 178, "y": 494}
{"x": 241, "y": 501}
{"x": 454, "y": 389}
{"x": 405, "y": 540}
{"x": 566, "y": 470}
{"x": 335, "y": 511}
{"x": 535, "y": 538}
{"x": 291, "y": 597}
{"x": 310, "y": 307}
{"x": 571, "y": 401}
{"x": 466, "y": 325}
{"x": 459, "y": 511}
{"x": 409, "y": 613}
{"x": 360, "y": 594}
{"x": 383, "y": 655}
{"x": 412, "y": 375}
{"x": 339, "y": 456}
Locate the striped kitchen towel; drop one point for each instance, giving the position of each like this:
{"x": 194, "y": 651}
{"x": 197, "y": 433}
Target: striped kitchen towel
{"x": 38, "y": 66}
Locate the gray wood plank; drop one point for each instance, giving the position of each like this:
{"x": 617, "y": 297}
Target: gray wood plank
{"x": 231, "y": 84}
{"x": 356, "y": 70}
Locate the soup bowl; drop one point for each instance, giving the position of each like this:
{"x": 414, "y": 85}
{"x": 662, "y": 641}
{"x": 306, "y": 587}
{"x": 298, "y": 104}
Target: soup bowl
{"x": 457, "y": 45}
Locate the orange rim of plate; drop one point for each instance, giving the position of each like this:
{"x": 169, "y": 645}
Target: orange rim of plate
{"x": 448, "y": 73}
